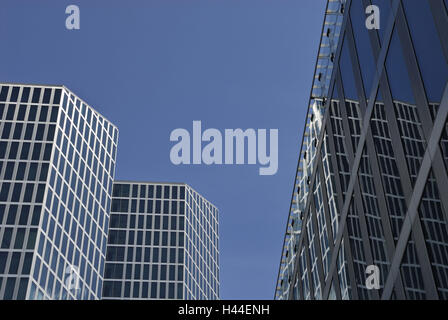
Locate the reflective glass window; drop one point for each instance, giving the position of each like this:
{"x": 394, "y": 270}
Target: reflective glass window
{"x": 428, "y": 49}
{"x": 363, "y": 46}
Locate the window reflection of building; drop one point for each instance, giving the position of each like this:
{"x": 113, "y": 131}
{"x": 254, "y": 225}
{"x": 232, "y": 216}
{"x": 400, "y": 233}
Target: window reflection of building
{"x": 387, "y": 105}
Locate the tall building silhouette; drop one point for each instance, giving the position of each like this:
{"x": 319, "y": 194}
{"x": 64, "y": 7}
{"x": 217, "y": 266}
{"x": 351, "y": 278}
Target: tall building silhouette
{"x": 369, "y": 215}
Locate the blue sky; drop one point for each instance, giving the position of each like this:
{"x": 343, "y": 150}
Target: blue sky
{"x": 156, "y": 65}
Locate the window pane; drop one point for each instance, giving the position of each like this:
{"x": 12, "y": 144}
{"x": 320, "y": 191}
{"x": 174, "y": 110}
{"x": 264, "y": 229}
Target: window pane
{"x": 363, "y": 47}
{"x": 397, "y": 72}
{"x": 433, "y": 65}
{"x": 9, "y": 289}
{"x": 4, "y": 93}
{"x": 36, "y": 95}
{"x": 25, "y": 94}
{"x": 3, "y": 257}
{"x": 14, "y": 267}
{"x": 7, "y": 236}
{"x": 22, "y": 289}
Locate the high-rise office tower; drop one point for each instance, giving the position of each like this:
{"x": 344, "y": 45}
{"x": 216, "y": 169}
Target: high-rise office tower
{"x": 369, "y": 211}
{"x": 57, "y": 163}
{"x": 163, "y": 243}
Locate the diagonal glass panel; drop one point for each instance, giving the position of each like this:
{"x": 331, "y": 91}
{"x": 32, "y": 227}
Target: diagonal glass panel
{"x": 395, "y": 199}
{"x": 409, "y": 124}
{"x": 363, "y": 46}
{"x": 396, "y": 70}
{"x": 351, "y": 106}
{"x": 385, "y": 12}
{"x": 428, "y": 49}
{"x": 345, "y": 65}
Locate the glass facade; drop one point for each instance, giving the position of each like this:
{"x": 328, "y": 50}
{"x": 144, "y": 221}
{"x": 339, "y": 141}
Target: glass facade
{"x": 57, "y": 163}
{"x": 162, "y": 244}
{"x": 373, "y": 167}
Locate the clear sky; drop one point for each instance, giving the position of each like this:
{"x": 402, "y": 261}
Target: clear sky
{"x": 156, "y": 65}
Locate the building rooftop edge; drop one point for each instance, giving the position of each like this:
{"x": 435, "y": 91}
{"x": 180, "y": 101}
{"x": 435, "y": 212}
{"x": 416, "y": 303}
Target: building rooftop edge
{"x": 61, "y": 86}
{"x": 166, "y": 183}
{"x": 149, "y": 182}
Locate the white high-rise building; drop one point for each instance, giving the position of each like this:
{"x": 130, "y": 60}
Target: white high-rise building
{"x": 57, "y": 163}
{"x": 163, "y": 243}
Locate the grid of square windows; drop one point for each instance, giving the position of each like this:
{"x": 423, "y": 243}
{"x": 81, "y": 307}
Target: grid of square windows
{"x": 201, "y": 260}
{"x": 28, "y": 118}
{"x": 57, "y": 162}
{"x": 146, "y": 244}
